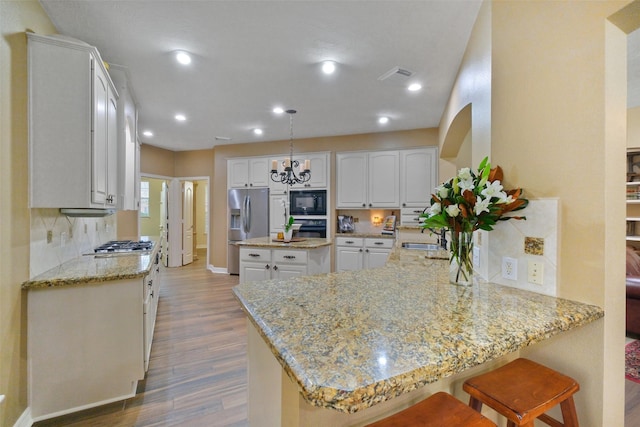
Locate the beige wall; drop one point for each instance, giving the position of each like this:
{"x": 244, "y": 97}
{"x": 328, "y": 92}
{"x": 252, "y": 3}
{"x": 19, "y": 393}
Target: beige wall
{"x": 15, "y": 19}
{"x": 633, "y": 127}
{"x": 150, "y": 226}
{"x": 556, "y": 89}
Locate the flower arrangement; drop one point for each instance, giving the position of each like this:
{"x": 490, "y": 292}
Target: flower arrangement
{"x": 466, "y": 203}
{"x": 472, "y": 201}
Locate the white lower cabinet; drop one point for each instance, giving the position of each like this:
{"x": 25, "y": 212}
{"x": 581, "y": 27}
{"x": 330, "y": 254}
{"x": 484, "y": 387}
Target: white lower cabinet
{"x": 257, "y": 264}
{"x": 357, "y": 253}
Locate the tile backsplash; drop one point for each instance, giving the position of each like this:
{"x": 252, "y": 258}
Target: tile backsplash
{"x": 70, "y": 237}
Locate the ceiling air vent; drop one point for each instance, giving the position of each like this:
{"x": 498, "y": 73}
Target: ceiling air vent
{"x": 396, "y": 75}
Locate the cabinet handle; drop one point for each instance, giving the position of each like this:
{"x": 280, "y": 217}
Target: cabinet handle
{"x": 289, "y": 257}
{"x": 275, "y": 268}
{"x": 360, "y": 250}
{"x": 366, "y": 250}
{"x": 246, "y": 185}
{"x": 267, "y": 267}
{"x": 370, "y": 205}
{"x": 254, "y": 255}
{"x": 378, "y": 243}
{"x": 151, "y": 294}
{"x": 404, "y": 204}
{"x": 349, "y": 242}
{"x": 364, "y": 205}
{"x": 150, "y": 283}
{"x": 251, "y": 185}
{"x": 416, "y": 218}
{"x": 418, "y": 211}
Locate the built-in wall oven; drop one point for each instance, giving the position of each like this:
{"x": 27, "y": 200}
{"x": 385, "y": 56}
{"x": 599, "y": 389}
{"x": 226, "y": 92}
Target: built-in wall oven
{"x": 311, "y": 227}
{"x": 308, "y": 202}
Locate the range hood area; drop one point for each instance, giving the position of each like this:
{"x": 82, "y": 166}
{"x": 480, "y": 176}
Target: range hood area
{"x": 86, "y": 212}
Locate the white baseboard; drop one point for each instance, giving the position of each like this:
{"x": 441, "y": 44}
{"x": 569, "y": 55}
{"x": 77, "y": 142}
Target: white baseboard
{"x": 25, "y": 419}
{"x": 217, "y": 270}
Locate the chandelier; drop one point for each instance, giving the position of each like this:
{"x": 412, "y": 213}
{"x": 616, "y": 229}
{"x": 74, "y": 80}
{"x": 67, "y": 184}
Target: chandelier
{"x": 289, "y": 165}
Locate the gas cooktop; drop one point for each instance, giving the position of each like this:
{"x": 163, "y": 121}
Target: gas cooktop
{"x": 124, "y": 246}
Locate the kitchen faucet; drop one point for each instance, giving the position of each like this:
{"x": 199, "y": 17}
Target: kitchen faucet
{"x": 442, "y": 236}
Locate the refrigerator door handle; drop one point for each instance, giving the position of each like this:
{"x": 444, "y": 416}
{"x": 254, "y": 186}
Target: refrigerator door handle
{"x": 248, "y": 212}
{"x": 243, "y": 215}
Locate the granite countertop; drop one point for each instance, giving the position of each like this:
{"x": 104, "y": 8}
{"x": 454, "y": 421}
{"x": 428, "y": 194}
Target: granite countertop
{"x": 353, "y": 339}
{"x": 367, "y": 235}
{"x": 96, "y": 268}
{"x": 267, "y": 242}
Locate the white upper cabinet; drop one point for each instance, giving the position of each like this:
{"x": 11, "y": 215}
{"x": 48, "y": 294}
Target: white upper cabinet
{"x": 368, "y": 180}
{"x": 128, "y": 144}
{"x": 351, "y": 180}
{"x": 386, "y": 179}
{"x": 248, "y": 173}
{"x": 72, "y": 126}
{"x": 418, "y": 175}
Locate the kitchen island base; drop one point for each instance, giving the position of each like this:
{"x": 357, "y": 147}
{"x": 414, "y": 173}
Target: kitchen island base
{"x": 275, "y": 400}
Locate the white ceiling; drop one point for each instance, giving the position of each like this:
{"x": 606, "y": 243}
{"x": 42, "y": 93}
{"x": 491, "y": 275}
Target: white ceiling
{"x": 251, "y": 56}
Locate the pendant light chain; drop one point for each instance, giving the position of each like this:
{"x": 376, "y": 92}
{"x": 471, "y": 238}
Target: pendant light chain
{"x": 290, "y": 166}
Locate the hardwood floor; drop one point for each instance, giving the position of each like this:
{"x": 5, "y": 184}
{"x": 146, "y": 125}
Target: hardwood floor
{"x": 198, "y": 367}
{"x": 197, "y": 373}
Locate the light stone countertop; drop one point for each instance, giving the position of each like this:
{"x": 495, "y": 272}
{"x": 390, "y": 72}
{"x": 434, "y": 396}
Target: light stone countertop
{"x": 267, "y": 242}
{"x": 89, "y": 269}
{"x": 367, "y": 235}
{"x": 353, "y": 339}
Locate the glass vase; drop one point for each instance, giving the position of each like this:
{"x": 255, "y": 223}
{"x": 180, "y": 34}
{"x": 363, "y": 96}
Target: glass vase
{"x": 461, "y": 260}
{"x": 288, "y": 234}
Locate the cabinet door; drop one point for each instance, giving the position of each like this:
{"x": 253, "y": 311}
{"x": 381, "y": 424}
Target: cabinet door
{"x": 384, "y": 179}
{"x": 259, "y": 172}
{"x": 99, "y": 142}
{"x": 287, "y": 271}
{"x": 351, "y": 177}
{"x": 319, "y": 178}
{"x": 418, "y": 175}
{"x": 375, "y": 257}
{"x": 276, "y": 213}
{"x": 112, "y": 149}
{"x": 348, "y": 259}
{"x": 237, "y": 173}
{"x": 276, "y": 187}
{"x": 254, "y": 271}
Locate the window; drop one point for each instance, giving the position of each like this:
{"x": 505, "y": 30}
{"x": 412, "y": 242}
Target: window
{"x": 144, "y": 199}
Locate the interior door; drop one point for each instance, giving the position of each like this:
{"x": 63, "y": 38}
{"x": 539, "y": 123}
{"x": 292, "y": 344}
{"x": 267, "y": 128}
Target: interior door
{"x": 164, "y": 221}
{"x": 187, "y": 222}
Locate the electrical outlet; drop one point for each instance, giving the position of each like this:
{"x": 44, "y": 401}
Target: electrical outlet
{"x": 70, "y": 232}
{"x": 509, "y": 268}
{"x": 535, "y": 272}
{"x": 63, "y": 239}
{"x": 49, "y": 236}
{"x": 85, "y": 229}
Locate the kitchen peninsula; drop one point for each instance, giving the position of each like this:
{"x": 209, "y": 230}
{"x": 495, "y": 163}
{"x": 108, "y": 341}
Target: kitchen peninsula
{"x": 348, "y": 348}
{"x": 264, "y": 258}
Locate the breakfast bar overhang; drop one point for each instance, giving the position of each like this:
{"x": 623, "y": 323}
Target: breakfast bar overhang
{"x": 349, "y": 348}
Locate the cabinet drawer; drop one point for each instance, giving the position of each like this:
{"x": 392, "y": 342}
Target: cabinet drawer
{"x": 289, "y": 257}
{"x": 379, "y": 243}
{"x": 413, "y": 219}
{"x": 349, "y": 241}
{"x": 253, "y": 254}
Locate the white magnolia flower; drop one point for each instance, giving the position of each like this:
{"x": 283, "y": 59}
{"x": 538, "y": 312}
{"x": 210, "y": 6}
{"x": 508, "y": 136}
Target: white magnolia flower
{"x": 453, "y": 210}
{"x": 435, "y": 209}
{"x": 503, "y": 198}
{"x": 482, "y": 205}
{"x": 493, "y": 190}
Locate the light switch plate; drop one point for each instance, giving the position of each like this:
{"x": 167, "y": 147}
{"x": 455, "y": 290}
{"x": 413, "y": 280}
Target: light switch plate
{"x": 535, "y": 272}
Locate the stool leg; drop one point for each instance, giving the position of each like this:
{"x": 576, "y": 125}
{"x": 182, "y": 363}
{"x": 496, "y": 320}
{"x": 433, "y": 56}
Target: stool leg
{"x": 475, "y": 404}
{"x": 569, "y": 415}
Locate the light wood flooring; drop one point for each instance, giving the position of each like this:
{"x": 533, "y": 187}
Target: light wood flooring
{"x": 197, "y": 372}
{"x": 198, "y": 367}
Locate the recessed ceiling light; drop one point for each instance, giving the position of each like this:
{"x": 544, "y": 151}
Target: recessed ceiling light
{"x": 180, "y": 117}
{"x": 414, "y": 87}
{"x": 328, "y": 67}
{"x": 257, "y": 131}
{"x": 183, "y": 57}
{"x": 278, "y": 110}
{"x": 147, "y": 133}
{"x": 383, "y": 120}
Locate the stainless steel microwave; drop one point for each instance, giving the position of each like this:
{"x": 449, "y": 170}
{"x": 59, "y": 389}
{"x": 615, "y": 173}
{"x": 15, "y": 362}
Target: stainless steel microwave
{"x": 308, "y": 202}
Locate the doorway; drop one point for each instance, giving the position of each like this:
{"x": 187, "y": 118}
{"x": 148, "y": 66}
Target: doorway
{"x": 178, "y": 210}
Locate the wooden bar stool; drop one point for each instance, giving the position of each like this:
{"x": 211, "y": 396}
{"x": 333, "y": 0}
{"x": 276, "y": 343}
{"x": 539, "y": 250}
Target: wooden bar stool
{"x": 438, "y": 410}
{"x": 522, "y": 391}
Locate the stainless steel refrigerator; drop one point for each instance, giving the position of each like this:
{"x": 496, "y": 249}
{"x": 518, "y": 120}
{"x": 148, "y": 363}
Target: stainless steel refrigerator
{"x": 248, "y": 218}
